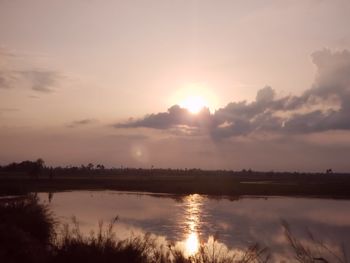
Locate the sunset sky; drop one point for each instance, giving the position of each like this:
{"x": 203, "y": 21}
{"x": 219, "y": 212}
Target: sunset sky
{"x": 181, "y": 84}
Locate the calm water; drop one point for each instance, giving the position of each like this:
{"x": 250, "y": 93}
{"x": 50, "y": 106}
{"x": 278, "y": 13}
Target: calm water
{"x": 187, "y": 220}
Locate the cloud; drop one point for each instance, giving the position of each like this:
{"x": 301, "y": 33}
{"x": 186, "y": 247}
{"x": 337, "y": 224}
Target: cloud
{"x": 265, "y": 95}
{"x": 33, "y": 97}
{"x": 6, "y": 53}
{"x": 83, "y": 122}
{"x": 8, "y": 110}
{"x": 323, "y": 107}
{"x": 175, "y": 116}
{"x": 43, "y": 81}
{"x": 40, "y": 80}
{"x": 7, "y": 79}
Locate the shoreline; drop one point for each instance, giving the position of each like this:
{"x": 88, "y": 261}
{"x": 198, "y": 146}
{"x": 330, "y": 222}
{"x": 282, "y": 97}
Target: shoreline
{"x": 215, "y": 186}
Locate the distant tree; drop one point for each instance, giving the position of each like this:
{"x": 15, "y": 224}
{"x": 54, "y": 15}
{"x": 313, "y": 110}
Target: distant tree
{"x": 40, "y": 162}
{"x": 51, "y": 173}
{"x": 329, "y": 171}
{"x": 35, "y": 168}
{"x": 100, "y": 166}
{"x": 90, "y": 166}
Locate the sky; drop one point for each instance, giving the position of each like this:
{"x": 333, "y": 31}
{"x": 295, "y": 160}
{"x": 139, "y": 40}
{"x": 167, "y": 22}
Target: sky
{"x": 123, "y": 83}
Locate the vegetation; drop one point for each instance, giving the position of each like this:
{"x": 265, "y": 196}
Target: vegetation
{"x": 27, "y": 176}
{"x": 318, "y": 252}
{"x": 105, "y": 247}
{"x": 27, "y": 230}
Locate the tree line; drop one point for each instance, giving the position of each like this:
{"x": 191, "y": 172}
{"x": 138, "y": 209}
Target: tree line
{"x": 37, "y": 169}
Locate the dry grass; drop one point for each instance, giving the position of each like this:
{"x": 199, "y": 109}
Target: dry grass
{"x": 317, "y": 252}
{"x": 104, "y": 246}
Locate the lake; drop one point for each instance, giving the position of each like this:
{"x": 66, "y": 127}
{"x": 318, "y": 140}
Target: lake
{"x": 185, "y": 221}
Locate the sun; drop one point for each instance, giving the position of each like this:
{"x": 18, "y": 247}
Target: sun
{"x": 194, "y": 96}
{"x": 194, "y": 104}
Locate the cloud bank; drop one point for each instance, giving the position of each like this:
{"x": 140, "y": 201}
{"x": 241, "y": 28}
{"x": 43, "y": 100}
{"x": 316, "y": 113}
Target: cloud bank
{"x": 323, "y": 107}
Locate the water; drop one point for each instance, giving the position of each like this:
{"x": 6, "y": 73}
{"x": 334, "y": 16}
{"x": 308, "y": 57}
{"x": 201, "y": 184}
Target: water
{"x": 187, "y": 220}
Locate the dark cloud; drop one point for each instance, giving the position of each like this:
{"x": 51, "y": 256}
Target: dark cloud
{"x": 175, "y": 116}
{"x": 82, "y": 122}
{"x": 325, "y": 106}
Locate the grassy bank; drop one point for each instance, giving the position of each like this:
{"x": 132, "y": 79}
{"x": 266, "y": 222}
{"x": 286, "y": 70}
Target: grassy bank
{"x": 316, "y": 186}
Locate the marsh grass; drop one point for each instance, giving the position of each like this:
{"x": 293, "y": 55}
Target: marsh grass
{"x": 104, "y": 246}
{"x": 316, "y": 252}
{"x": 219, "y": 254}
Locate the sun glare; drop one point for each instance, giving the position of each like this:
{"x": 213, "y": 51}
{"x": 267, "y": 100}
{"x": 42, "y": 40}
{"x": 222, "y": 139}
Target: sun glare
{"x": 194, "y": 96}
{"x": 194, "y": 104}
{"x": 192, "y": 244}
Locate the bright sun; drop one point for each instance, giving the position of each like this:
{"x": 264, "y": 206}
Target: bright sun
{"x": 194, "y": 104}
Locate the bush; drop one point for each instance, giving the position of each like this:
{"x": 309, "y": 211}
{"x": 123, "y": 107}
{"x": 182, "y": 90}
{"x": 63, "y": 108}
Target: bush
{"x": 26, "y": 230}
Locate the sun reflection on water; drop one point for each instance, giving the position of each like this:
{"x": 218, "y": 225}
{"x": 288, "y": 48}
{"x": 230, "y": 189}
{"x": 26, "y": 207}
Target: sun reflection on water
{"x": 192, "y": 222}
{"x": 192, "y": 244}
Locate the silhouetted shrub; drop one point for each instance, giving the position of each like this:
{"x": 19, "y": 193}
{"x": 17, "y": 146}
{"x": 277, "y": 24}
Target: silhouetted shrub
{"x": 26, "y": 230}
